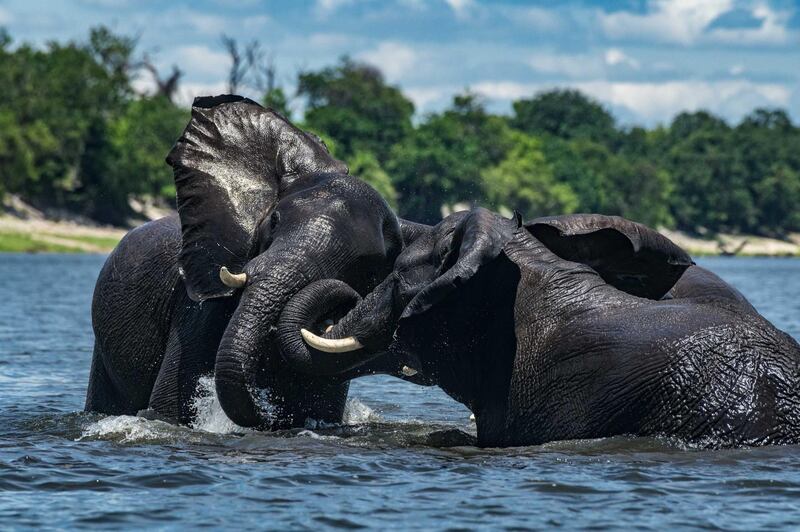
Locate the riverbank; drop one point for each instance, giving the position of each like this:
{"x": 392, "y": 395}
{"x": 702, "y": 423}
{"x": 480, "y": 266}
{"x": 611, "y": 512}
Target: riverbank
{"x": 47, "y": 236}
{"x": 739, "y": 245}
{"x": 25, "y": 229}
{"x": 32, "y": 232}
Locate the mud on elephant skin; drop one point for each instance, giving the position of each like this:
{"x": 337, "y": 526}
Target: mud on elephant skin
{"x": 264, "y": 210}
{"x": 560, "y": 329}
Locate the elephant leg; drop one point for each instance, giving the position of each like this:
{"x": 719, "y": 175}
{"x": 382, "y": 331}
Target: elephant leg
{"x": 132, "y": 308}
{"x": 102, "y": 395}
{"x": 194, "y": 337}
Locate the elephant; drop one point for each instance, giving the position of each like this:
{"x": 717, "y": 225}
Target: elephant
{"x": 566, "y": 327}
{"x": 263, "y": 210}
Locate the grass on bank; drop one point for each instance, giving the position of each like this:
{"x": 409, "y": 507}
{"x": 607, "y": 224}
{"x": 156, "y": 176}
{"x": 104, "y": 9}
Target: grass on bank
{"x": 105, "y": 242}
{"x": 15, "y": 242}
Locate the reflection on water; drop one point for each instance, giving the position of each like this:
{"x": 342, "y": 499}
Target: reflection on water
{"x": 404, "y": 457}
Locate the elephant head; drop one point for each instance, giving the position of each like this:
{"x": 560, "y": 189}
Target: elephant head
{"x": 560, "y": 329}
{"x": 448, "y": 307}
{"x": 265, "y": 210}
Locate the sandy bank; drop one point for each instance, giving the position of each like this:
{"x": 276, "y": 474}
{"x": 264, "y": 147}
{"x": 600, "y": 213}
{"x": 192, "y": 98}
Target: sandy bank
{"x": 25, "y": 229}
{"x": 740, "y": 245}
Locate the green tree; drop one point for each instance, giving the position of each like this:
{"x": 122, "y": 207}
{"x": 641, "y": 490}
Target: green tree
{"x": 65, "y": 94}
{"x": 776, "y": 196}
{"x": 365, "y": 166}
{"x": 276, "y": 99}
{"x": 131, "y": 161}
{"x": 710, "y": 182}
{"x": 524, "y": 181}
{"x": 441, "y": 161}
{"x": 566, "y": 114}
{"x": 768, "y": 146}
{"x": 16, "y": 157}
{"x": 352, "y": 103}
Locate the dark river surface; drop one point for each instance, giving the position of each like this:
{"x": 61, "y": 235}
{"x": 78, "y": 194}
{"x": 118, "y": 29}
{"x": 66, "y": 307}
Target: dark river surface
{"x": 400, "y": 461}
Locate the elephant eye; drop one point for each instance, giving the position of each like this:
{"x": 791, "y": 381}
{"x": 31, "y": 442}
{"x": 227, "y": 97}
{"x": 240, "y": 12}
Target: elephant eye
{"x": 267, "y": 230}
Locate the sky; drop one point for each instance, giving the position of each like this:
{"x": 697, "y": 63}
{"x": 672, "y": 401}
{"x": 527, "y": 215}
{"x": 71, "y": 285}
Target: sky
{"x": 645, "y": 60}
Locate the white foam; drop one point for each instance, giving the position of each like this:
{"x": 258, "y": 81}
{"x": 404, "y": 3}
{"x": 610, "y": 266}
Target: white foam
{"x": 357, "y": 413}
{"x": 126, "y": 429}
{"x": 209, "y": 416}
{"x": 307, "y": 433}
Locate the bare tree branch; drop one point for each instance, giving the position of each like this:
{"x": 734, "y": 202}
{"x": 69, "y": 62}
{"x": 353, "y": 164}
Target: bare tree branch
{"x": 167, "y": 86}
{"x": 241, "y": 61}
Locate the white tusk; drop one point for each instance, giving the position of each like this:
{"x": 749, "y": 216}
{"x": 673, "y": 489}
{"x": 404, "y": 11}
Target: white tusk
{"x": 342, "y": 345}
{"x": 408, "y": 372}
{"x": 472, "y": 417}
{"x": 233, "y": 280}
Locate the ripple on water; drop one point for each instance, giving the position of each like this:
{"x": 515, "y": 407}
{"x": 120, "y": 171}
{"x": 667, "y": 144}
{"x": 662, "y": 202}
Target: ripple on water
{"x": 403, "y": 458}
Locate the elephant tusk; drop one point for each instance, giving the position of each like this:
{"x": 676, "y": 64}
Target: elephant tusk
{"x": 342, "y": 345}
{"x": 233, "y": 280}
{"x": 408, "y": 372}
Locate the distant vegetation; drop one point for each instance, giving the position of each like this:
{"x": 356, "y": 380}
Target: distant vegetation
{"x": 74, "y": 134}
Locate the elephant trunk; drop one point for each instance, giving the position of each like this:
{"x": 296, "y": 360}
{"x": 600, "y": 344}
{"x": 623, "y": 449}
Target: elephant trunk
{"x": 247, "y": 346}
{"x": 310, "y": 345}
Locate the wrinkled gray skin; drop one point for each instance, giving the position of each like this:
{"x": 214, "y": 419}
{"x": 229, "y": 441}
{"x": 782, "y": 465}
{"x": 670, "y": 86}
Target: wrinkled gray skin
{"x": 259, "y": 196}
{"x": 542, "y": 347}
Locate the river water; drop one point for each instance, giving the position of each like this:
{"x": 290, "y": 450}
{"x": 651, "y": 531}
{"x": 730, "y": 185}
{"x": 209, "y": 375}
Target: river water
{"x": 403, "y": 458}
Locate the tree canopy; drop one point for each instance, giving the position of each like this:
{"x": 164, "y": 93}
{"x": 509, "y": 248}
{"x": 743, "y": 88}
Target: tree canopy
{"x": 74, "y": 134}
{"x": 353, "y": 104}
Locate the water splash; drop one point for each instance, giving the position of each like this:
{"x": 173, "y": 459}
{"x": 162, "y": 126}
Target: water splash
{"x": 357, "y": 413}
{"x": 127, "y": 429}
{"x": 209, "y": 416}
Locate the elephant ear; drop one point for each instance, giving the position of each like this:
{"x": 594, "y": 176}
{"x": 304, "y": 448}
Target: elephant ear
{"x": 626, "y": 254}
{"x": 229, "y": 165}
{"x": 477, "y": 239}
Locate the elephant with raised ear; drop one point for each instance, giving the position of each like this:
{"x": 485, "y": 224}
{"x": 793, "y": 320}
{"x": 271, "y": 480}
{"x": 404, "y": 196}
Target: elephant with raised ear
{"x": 580, "y": 326}
{"x": 264, "y": 210}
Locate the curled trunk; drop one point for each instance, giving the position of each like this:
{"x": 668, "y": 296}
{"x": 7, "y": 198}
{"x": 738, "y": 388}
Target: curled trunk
{"x": 315, "y": 309}
{"x": 370, "y": 322}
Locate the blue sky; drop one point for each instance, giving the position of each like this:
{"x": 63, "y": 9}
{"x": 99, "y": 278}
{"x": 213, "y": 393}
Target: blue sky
{"x": 645, "y": 60}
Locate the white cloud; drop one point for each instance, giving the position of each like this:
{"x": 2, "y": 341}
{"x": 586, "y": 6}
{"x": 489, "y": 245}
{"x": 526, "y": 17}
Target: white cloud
{"x": 615, "y": 56}
{"x": 677, "y": 21}
{"x": 414, "y": 4}
{"x": 116, "y": 4}
{"x": 188, "y": 91}
{"x": 256, "y": 21}
{"x": 651, "y": 103}
{"x": 326, "y": 7}
{"x": 200, "y": 22}
{"x": 144, "y": 84}
{"x": 596, "y": 64}
{"x": 394, "y": 59}
{"x": 573, "y": 66}
{"x": 772, "y": 30}
{"x": 430, "y": 98}
{"x": 461, "y": 8}
{"x": 5, "y": 16}
{"x": 660, "y": 101}
{"x": 686, "y": 22}
{"x": 736, "y": 70}
{"x": 537, "y": 18}
{"x": 329, "y": 40}
{"x": 508, "y": 90}
{"x": 201, "y": 61}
